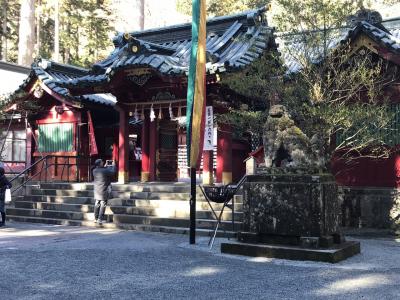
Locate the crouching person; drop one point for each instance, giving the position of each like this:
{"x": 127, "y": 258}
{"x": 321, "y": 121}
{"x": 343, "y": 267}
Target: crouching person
{"x": 102, "y": 176}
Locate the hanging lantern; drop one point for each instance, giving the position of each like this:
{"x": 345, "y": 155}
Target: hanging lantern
{"x": 160, "y": 113}
{"x": 152, "y": 114}
{"x": 171, "y": 113}
{"x": 136, "y": 114}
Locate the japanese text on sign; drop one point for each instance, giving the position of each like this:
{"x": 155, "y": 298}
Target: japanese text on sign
{"x": 208, "y": 129}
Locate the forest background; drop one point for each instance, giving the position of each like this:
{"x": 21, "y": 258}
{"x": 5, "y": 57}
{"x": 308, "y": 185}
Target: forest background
{"x": 80, "y": 32}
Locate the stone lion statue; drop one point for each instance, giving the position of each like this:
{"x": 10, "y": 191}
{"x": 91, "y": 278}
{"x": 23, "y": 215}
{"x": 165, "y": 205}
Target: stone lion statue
{"x": 285, "y": 144}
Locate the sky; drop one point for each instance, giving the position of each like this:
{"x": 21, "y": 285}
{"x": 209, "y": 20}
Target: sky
{"x": 158, "y": 13}
{"x": 161, "y": 13}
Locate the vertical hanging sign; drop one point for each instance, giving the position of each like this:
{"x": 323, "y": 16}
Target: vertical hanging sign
{"x": 196, "y": 85}
{"x": 209, "y": 129}
{"x": 92, "y": 139}
{"x": 196, "y": 103}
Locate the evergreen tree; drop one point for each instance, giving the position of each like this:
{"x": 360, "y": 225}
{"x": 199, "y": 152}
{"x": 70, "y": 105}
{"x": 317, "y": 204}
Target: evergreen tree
{"x": 84, "y": 30}
{"x": 9, "y": 29}
{"x": 333, "y": 91}
{"x": 26, "y": 34}
{"x": 222, "y": 7}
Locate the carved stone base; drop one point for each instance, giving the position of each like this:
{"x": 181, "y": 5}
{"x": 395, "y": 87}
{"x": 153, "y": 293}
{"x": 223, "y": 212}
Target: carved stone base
{"x": 333, "y": 254}
{"x": 292, "y": 205}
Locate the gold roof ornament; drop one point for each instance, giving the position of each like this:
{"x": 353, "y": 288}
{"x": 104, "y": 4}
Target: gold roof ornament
{"x": 127, "y": 36}
{"x": 135, "y": 49}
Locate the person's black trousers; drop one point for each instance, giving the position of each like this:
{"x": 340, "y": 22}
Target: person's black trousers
{"x": 99, "y": 209}
{"x": 3, "y": 218}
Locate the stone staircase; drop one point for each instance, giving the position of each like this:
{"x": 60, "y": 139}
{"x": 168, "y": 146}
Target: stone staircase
{"x": 161, "y": 207}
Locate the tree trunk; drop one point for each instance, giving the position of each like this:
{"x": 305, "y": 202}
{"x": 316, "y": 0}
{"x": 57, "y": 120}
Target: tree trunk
{"x": 141, "y": 14}
{"x": 26, "y": 43}
{"x": 4, "y": 29}
{"x": 38, "y": 27}
{"x": 56, "y": 32}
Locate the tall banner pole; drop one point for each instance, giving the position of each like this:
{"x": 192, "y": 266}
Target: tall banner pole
{"x": 196, "y": 103}
{"x": 192, "y": 234}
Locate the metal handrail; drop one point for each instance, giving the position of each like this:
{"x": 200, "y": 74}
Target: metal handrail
{"x": 27, "y": 170}
{"x": 66, "y": 165}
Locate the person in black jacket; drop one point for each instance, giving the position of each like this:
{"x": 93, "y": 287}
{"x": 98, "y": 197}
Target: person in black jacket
{"x": 102, "y": 176}
{"x": 4, "y": 184}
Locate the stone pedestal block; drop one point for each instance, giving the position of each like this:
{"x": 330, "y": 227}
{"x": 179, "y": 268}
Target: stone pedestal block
{"x": 291, "y": 205}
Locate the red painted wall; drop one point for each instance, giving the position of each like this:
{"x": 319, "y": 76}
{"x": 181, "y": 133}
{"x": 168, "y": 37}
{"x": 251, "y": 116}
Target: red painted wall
{"x": 368, "y": 172}
{"x": 240, "y": 151}
{"x": 64, "y": 166}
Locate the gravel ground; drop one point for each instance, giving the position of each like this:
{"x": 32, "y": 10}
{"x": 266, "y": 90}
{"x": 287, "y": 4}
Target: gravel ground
{"x": 60, "y": 262}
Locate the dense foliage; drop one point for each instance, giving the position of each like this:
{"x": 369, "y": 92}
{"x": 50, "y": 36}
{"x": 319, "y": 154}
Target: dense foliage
{"x": 222, "y": 7}
{"x": 9, "y": 29}
{"x": 85, "y": 29}
{"x": 335, "y": 94}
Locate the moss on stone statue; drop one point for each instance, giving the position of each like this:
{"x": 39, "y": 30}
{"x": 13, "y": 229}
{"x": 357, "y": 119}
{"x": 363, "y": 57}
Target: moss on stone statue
{"x": 286, "y": 145}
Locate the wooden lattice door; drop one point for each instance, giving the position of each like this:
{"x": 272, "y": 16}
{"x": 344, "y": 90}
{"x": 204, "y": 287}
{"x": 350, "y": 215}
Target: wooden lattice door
{"x": 167, "y": 156}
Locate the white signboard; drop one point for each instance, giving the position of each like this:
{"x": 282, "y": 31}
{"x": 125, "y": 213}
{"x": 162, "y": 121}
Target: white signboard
{"x": 209, "y": 129}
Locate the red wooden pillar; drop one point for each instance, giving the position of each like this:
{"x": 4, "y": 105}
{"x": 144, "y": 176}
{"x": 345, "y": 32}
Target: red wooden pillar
{"x": 123, "y": 147}
{"x": 145, "y": 174}
{"x": 224, "y": 154}
{"x": 153, "y": 139}
{"x": 208, "y": 165}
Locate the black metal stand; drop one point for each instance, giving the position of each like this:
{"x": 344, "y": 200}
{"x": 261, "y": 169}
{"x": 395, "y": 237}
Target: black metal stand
{"x": 192, "y": 205}
{"x": 224, "y": 195}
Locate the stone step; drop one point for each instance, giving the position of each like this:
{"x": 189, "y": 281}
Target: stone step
{"x": 66, "y": 186}
{"x": 169, "y": 204}
{"x": 55, "y": 206}
{"x": 75, "y": 193}
{"x": 55, "y": 192}
{"x": 52, "y": 214}
{"x": 163, "y": 196}
{"x": 200, "y": 204}
{"x": 136, "y": 227}
{"x": 132, "y": 187}
{"x": 183, "y": 212}
{"x": 125, "y": 219}
{"x": 56, "y": 199}
{"x": 115, "y": 194}
{"x": 155, "y": 204}
{"x": 153, "y": 187}
{"x": 170, "y": 222}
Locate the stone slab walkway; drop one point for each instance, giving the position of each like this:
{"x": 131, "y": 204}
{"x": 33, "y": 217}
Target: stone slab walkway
{"x": 61, "y": 262}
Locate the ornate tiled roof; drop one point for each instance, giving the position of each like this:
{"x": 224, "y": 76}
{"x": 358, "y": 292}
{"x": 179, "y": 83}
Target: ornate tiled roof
{"x": 52, "y": 74}
{"x": 105, "y": 99}
{"x": 385, "y": 33}
{"x": 232, "y": 42}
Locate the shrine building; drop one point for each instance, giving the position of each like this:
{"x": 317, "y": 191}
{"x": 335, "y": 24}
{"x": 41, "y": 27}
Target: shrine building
{"x": 131, "y": 106}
